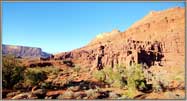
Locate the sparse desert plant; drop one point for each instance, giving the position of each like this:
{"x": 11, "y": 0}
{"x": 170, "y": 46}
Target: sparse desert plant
{"x": 12, "y": 71}
{"x": 114, "y": 78}
{"x": 108, "y": 73}
{"x": 77, "y": 69}
{"x": 179, "y": 76}
{"x": 117, "y": 79}
{"x": 34, "y": 76}
{"x": 131, "y": 87}
{"x": 160, "y": 81}
{"x": 132, "y": 77}
{"x": 99, "y": 75}
{"x": 120, "y": 68}
{"x": 134, "y": 74}
{"x": 49, "y": 70}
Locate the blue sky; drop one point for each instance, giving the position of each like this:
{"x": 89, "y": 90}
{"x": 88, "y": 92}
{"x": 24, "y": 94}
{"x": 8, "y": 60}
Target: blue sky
{"x": 64, "y": 26}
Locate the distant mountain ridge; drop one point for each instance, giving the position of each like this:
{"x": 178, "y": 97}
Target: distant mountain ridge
{"x": 24, "y": 51}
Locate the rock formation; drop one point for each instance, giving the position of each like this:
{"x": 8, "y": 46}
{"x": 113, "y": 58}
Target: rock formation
{"x": 167, "y": 28}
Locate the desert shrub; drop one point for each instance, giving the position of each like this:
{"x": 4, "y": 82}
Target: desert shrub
{"x": 131, "y": 87}
{"x": 36, "y": 76}
{"x": 114, "y": 78}
{"x": 12, "y": 71}
{"x": 77, "y": 68}
{"x": 134, "y": 76}
{"x": 118, "y": 83}
{"x": 179, "y": 76}
{"x": 49, "y": 70}
{"x": 99, "y": 75}
{"x": 160, "y": 81}
{"x": 33, "y": 76}
{"x": 120, "y": 77}
{"x": 109, "y": 78}
{"x": 120, "y": 68}
{"x": 140, "y": 84}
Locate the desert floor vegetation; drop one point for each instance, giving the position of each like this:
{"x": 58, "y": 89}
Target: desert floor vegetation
{"x": 119, "y": 82}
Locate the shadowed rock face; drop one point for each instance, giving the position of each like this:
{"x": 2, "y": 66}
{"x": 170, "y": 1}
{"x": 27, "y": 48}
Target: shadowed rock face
{"x": 167, "y": 27}
{"x": 24, "y": 52}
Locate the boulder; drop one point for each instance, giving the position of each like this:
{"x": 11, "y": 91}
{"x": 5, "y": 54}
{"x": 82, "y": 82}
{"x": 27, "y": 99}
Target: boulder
{"x": 24, "y": 96}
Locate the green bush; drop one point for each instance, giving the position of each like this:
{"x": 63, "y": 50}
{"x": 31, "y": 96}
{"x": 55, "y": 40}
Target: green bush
{"x": 36, "y": 76}
{"x": 99, "y": 75}
{"x": 49, "y": 70}
{"x": 77, "y": 69}
{"x": 33, "y": 76}
{"x": 120, "y": 77}
{"x": 108, "y": 72}
{"x": 12, "y": 71}
{"x": 114, "y": 78}
{"x": 134, "y": 76}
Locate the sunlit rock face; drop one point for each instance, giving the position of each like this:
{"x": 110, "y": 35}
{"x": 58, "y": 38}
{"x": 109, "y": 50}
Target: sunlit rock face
{"x": 167, "y": 27}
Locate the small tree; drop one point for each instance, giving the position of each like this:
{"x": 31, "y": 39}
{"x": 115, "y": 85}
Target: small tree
{"x": 12, "y": 71}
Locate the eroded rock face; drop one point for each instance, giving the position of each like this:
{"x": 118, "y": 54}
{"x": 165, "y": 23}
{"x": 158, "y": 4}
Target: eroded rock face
{"x": 166, "y": 27}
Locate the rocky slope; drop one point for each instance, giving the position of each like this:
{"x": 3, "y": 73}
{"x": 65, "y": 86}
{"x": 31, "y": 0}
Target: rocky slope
{"x": 24, "y": 52}
{"x": 166, "y": 27}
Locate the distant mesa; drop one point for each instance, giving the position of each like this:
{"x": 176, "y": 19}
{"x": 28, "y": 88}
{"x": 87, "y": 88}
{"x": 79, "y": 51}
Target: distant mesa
{"x": 24, "y": 51}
